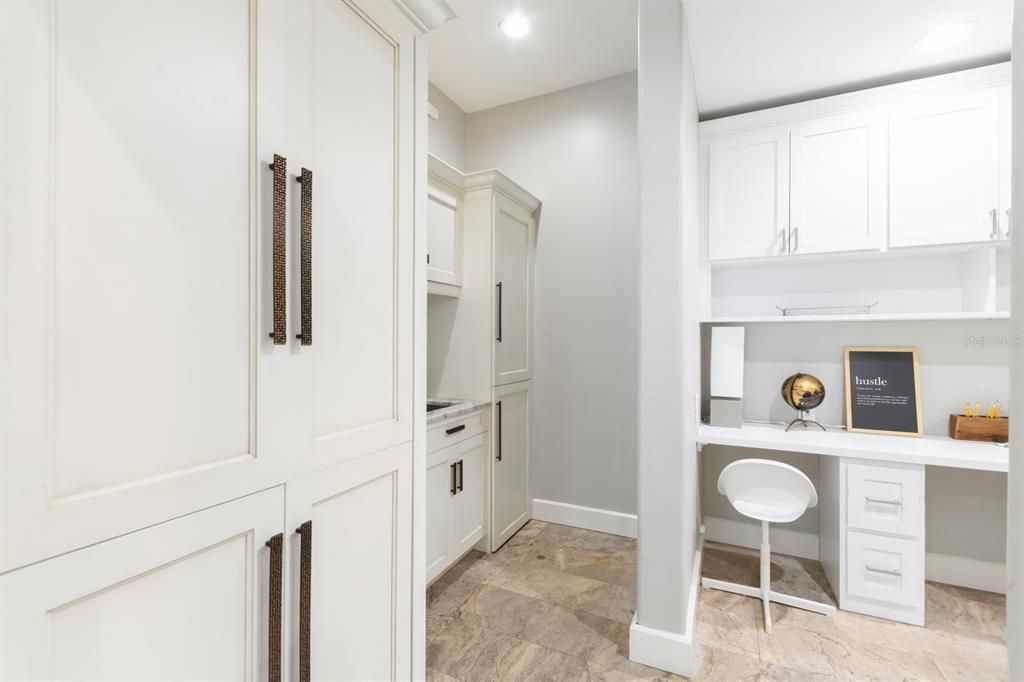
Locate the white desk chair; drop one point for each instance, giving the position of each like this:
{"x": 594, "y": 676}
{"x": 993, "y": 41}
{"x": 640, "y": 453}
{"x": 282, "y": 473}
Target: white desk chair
{"x": 771, "y": 492}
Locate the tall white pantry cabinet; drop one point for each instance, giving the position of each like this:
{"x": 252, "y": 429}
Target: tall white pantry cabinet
{"x": 206, "y": 339}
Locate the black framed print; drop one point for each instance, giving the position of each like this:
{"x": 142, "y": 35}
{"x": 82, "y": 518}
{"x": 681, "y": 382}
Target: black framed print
{"x": 883, "y": 391}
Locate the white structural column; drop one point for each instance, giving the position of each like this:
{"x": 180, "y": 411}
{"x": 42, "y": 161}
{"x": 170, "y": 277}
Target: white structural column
{"x": 1015, "y": 479}
{"x": 671, "y": 303}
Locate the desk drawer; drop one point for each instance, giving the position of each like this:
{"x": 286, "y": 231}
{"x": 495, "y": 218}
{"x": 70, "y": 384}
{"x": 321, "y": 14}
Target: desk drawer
{"x": 889, "y": 570}
{"x": 885, "y": 499}
{"x": 454, "y": 430}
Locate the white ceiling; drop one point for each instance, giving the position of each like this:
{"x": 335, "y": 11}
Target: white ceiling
{"x": 749, "y": 54}
{"x": 571, "y": 42}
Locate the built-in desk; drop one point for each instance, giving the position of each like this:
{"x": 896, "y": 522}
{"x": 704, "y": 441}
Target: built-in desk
{"x": 871, "y": 506}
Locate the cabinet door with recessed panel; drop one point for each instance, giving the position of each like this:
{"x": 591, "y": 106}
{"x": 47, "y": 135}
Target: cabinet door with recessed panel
{"x": 137, "y": 379}
{"x": 183, "y": 600}
{"x": 514, "y": 234}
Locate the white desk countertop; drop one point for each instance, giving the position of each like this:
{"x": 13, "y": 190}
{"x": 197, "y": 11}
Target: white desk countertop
{"x": 928, "y": 450}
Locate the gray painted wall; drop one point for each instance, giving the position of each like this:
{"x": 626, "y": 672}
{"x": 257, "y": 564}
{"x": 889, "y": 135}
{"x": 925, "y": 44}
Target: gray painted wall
{"x": 446, "y": 137}
{"x": 576, "y": 150}
{"x": 965, "y": 510}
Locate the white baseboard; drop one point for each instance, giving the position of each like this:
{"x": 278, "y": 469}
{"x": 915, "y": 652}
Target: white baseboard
{"x": 590, "y": 518}
{"x": 989, "y": 576}
{"x": 667, "y": 650}
{"x": 783, "y": 540}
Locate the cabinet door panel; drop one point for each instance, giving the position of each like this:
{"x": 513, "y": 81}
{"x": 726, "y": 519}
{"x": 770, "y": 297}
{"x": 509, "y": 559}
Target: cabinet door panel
{"x": 514, "y": 234}
{"x": 748, "y": 194}
{"x": 467, "y": 516}
{"x": 359, "y": 148}
{"x": 440, "y": 476}
{"x": 182, "y": 600}
{"x": 510, "y": 461}
{"x": 838, "y": 184}
{"x": 443, "y": 235}
{"x": 129, "y": 289}
{"x": 944, "y": 164}
{"x": 1005, "y": 159}
{"x": 361, "y": 514}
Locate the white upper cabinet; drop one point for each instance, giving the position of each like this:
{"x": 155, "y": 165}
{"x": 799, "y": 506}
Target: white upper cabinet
{"x": 514, "y": 234}
{"x": 444, "y": 224}
{"x": 357, "y": 143}
{"x": 944, "y": 170}
{"x": 748, "y": 194}
{"x": 837, "y": 186}
{"x": 1005, "y": 158}
{"x": 136, "y": 198}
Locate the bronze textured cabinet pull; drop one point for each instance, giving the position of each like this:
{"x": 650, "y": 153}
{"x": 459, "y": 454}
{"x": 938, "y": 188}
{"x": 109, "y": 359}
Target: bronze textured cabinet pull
{"x": 454, "y": 487}
{"x": 280, "y": 168}
{"x": 455, "y": 429}
{"x": 306, "y": 257}
{"x": 305, "y": 532}
{"x": 276, "y": 545}
{"x": 459, "y": 464}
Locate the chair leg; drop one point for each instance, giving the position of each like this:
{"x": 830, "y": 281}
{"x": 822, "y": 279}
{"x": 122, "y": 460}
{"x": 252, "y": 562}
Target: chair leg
{"x": 766, "y": 577}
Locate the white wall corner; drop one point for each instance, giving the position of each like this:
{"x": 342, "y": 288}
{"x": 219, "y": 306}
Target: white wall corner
{"x": 743, "y": 534}
{"x": 590, "y": 518}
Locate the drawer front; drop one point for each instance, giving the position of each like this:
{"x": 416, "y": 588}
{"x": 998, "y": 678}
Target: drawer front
{"x": 454, "y": 431}
{"x": 885, "y": 499}
{"x": 885, "y": 569}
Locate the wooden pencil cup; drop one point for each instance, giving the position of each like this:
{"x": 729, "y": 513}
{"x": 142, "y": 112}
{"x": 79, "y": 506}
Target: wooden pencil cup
{"x": 979, "y": 428}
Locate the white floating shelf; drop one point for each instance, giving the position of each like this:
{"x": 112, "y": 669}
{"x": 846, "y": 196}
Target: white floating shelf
{"x": 869, "y": 317}
{"x": 928, "y": 450}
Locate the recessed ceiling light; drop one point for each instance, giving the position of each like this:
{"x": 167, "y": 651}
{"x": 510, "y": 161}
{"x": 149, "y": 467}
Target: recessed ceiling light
{"x": 946, "y": 36}
{"x": 515, "y": 26}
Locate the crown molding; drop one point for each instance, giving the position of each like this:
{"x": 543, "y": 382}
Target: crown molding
{"x": 485, "y": 179}
{"x": 426, "y": 14}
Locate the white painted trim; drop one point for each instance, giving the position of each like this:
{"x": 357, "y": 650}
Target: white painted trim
{"x": 783, "y": 540}
{"x": 426, "y": 14}
{"x": 661, "y": 650}
{"x": 590, "y": 518}
{"x": 989, "y": 576}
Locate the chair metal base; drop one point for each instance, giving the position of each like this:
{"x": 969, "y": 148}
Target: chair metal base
{"x": 765, "y": 592}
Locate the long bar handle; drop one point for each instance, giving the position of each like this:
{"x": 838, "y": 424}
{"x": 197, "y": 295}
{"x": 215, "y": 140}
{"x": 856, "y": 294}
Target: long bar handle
{"x": 276, "y": 545}
{"x": 306, "y": 257}
{"x": 453, "y": 489}
{"x": 782, "y": 242}
{"x": 886, "y": 571}
{"x": 459, "y": 465}
{"x": 280, "y": 169}
{"x": 794, "y": 240}
{"x": 305, "y": 532}
{"x": 498, "y": 435}
{"x": 499, "y": 312}
{"x": 994, "y": 234}
{"x": 1007, "y": 223}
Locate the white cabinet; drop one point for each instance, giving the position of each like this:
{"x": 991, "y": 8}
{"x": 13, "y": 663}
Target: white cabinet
{"x": 182, "y": 600}
{"x": 871, "y": 526}
{"x": 944, "y": 170}
{"x": 357, "y": 372}
{"x": 444, "y": 227}
{"x": 837, "y": 184}
{"x": 455, "y": 496}
{"x": 748, "y": 194}
{"x": 359, "y": 554}
{"x": 514, "y": 232}
{"x": 131, "y": 221}
{"x": 511, "y": 437}
{"x": 1005, "y": 158}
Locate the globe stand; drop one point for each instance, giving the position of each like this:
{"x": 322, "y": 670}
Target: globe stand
{"x": 803, "y": 421}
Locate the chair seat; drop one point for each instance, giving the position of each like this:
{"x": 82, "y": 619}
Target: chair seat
{"x": 773, "y": 513}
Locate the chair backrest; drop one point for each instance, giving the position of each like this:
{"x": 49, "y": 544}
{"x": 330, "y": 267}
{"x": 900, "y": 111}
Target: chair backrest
{"x": 767, "y": 482}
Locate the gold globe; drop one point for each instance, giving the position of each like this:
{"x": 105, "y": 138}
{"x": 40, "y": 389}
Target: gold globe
{"x": 803, "y": 392}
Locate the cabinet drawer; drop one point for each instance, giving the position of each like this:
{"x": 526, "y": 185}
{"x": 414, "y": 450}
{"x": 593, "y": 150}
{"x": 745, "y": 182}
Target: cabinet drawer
{"x": 454, "y": 430}
{"x": 885, "y": 569}
{"x": 885, "y": 499}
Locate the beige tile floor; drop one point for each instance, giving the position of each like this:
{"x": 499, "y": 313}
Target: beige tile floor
{"x": 555, "y": 604}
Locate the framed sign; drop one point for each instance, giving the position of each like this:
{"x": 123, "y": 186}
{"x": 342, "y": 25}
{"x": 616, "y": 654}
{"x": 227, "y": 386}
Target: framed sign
{"x": 883, "y": 394}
